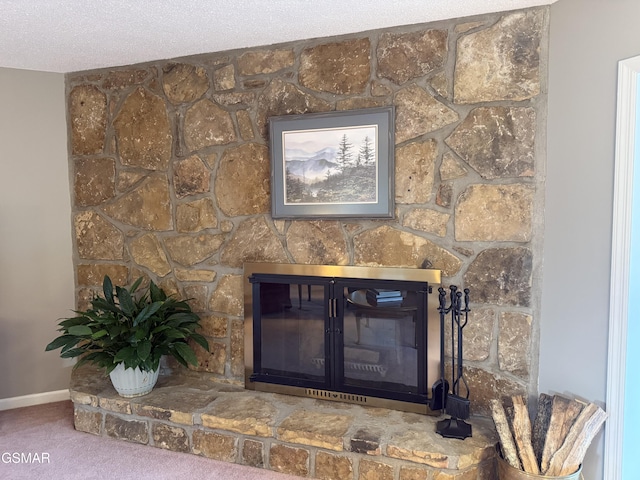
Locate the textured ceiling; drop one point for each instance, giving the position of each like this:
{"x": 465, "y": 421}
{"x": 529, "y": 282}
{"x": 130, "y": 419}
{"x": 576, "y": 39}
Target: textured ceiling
{"x": 71, "y": 35}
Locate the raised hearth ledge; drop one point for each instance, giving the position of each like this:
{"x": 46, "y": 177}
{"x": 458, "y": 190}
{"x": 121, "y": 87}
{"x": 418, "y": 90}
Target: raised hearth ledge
{"x": 192, "y": 413}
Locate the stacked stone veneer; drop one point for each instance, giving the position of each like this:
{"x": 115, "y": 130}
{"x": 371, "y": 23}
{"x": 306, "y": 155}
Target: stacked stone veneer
{"x": 298, "y": 436}
{"x": 170, "y": 171}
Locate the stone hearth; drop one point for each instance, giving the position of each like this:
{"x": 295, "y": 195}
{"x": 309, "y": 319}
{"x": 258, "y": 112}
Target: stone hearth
{"x": 193, "y": 413}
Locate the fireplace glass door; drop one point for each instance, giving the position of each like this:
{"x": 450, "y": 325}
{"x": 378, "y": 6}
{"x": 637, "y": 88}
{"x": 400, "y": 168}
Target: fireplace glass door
{"x": 357, "y": 336}
{"x": 289, "y": 336}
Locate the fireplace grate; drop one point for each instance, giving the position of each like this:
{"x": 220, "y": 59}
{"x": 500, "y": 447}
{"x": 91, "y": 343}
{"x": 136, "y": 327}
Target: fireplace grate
{"x": 355, "y": 366}
{"x": 337, "y": 396}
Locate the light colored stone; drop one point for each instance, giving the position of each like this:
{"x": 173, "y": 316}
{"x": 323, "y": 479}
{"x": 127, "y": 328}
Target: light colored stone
{"x": 501, "y": 62}
{"x": 120, "y": 79}
{"x": 387, "y": 246}
{"x": 404, "y": 56}
{"x": 207, "y": 125}
{"x": 96, "y": 238}
{"x": 478, "y": 335}
{"x": 196, "y": 216}
{"x": 413, "y": 473}
{"x": 501, "y": 276}
{"x": 338, "y": 67}
{"x": 143, "y": 132}
{"x": 485, "y": 386}
{"x": 253, "y": 241}
{"x": 126, "y": 179}
{"x": 289, "y": 460}
{"x": 514, "y": 343}
{"x": 215, "y": 445}
{"x": 170, "y": 438}
{"x": 245, "y": 125}
{"x": 333, "y": 467}
{"x": 419, "y": 113}
{"x": 88, "y": 119}
{"x": 234, "y": 98}
{"x": 190, "y": 176}
{"x": 427, "y": 220}
{"x": 370, "y": 470}
{"x": 174, "y": 404}
{"x": 214, "y": 326}
{"x": 248, "y": 415}
{"x": 87, "y": 421}
{"x": 499, "y": 213}
{"x": 194, "y": 275}
{"x": 196, "y": 296}
{"x": 93, "y": 275}
{"x": 93, "y": 181}
{"x": 451, "y": 168}
{"x": 414, "y": 171}
{"x": 228, "y": 297}
{"x": 189, "y": 250}
{"x": 429, "y": 448}
{"x": 147, "y": 252}
{"x": 253, "y": 453}
{"x": 317, "y": 243}
{"x": 224, "y": 78}
{"x": 148, "y": 206}
{"x": 184, "y": 83}
{"x": 497, "y": 142}
{"x": 244, "y": 169}
{"x": 317, "y": 429}
{"x": 440, "y": 83}
{"x": 236, "y": 348}
{"x": 258, "y": 62}
{"x": 283, "y": 98}
{"x": 214, "y": 360}
{"x": 356, "y": 103}
{"x": 130, "y": 430}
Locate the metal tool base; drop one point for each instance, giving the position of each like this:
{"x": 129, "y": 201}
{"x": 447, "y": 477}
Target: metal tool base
{"x": 453, "y": 428}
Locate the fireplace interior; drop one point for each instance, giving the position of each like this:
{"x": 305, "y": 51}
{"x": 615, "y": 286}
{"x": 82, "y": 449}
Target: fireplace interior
{"x": 356, "y": 334}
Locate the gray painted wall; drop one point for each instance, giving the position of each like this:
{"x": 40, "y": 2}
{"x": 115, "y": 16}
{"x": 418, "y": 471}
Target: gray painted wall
{"x": 36, "y": 272}
{"x": 587, "y": 39}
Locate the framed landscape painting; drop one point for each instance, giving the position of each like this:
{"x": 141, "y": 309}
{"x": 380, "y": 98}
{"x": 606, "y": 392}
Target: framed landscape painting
{"x": 337, "y": 164}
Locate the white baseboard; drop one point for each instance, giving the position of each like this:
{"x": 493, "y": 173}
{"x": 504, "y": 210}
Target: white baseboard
{"x": 33, "y": 399}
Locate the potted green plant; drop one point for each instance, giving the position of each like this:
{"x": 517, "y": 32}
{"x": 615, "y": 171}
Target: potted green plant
{"x": 127, "y": 331}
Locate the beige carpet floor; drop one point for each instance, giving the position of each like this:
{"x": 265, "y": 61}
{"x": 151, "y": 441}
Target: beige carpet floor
{"x": 45, "y": 433}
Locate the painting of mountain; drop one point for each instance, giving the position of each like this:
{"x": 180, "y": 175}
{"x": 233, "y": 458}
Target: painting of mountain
{"x": 334, "y": 165}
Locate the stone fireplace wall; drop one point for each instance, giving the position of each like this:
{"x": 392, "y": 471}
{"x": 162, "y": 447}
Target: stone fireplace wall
{"x": 170, "y": 172}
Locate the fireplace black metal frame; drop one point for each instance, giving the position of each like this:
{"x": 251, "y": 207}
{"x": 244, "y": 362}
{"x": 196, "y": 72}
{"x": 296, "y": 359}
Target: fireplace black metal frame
{"x": 335, "y": 280}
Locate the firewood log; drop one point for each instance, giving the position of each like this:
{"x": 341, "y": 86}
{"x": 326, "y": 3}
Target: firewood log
{"x": 522, "y": 436}
{"x": 509, "y": 450}
{"x": 570, "y": 455}
{"x": 541, "y": 425}
{"x": 563, "y": 414}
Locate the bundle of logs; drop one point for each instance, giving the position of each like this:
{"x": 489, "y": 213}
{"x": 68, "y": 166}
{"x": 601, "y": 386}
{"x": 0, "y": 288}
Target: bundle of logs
{"x": 556, "y": 442}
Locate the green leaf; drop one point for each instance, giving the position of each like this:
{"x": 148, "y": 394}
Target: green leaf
{"x": 144, "y": 349}
{"x": 80, "y": 330}
{"x": 186, "y": 353}
{"x": 147, "y": 312}
{"x": 74, "y": 352}
{"x": 61, "y": 341}
{"x": 126, "y": 302}
{"x": 125, "y": 354}
{"x": 135, "y": 286}
{"x": 200, "y": 340}
{"x": 157, "y": 294}
{"x": 99, "y": 334}
{"x": 107, "y": 289}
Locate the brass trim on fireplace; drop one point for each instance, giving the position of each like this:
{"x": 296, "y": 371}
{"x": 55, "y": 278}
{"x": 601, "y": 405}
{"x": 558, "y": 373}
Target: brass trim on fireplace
{"x": 433, "y": 277}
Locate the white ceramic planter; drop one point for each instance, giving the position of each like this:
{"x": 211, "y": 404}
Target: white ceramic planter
{"x": 133, "y": 382}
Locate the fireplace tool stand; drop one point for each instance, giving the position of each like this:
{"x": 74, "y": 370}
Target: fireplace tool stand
{"x": 455, "y": 405}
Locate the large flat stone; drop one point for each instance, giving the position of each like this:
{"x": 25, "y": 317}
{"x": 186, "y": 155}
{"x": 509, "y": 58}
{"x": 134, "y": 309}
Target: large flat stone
{"x": 248, "y": 415}
{"x": 316, "y": 429}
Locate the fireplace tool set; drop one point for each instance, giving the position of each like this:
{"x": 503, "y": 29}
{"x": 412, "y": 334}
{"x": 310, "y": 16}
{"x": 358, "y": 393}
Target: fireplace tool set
{"x": 452, "y": 402}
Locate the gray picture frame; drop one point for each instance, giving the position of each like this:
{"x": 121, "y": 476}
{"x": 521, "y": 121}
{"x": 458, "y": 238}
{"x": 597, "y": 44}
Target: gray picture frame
{"x": 334, "y": 164}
